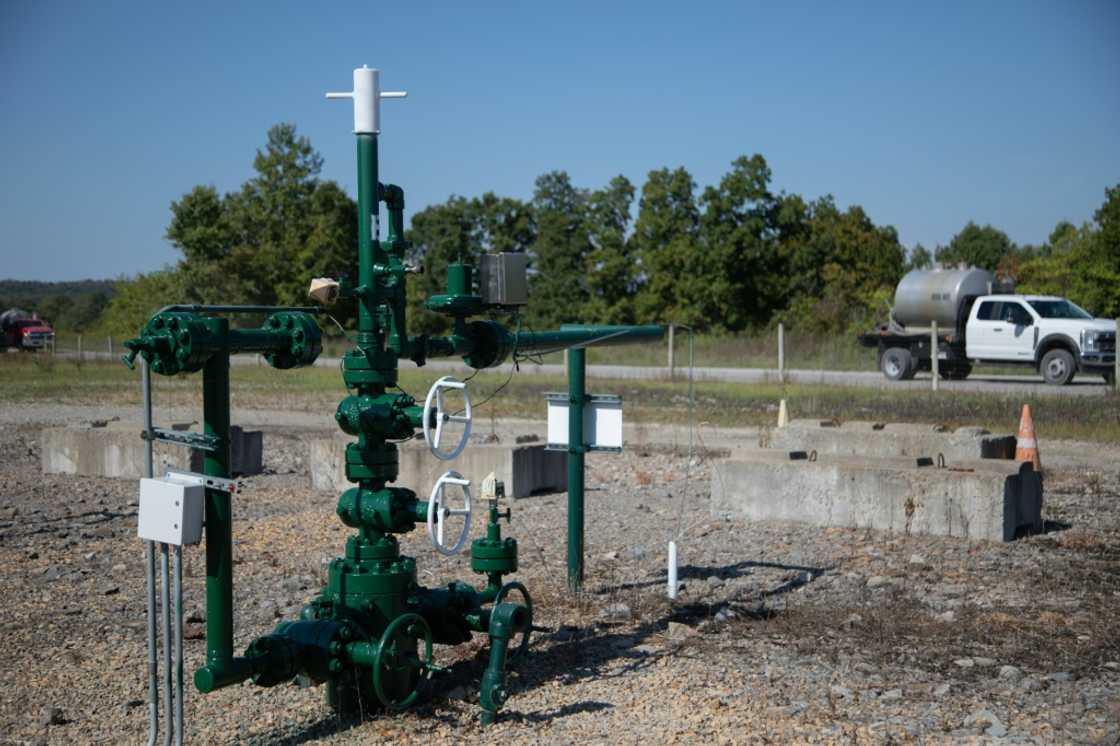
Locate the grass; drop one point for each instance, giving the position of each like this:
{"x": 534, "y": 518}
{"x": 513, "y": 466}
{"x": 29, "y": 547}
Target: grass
{"x": 40, "y": 378}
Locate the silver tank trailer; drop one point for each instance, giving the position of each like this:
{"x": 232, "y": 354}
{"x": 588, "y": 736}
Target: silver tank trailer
{"x": 925, "y": 295}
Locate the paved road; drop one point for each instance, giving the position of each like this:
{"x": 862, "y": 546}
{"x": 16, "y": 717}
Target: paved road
{"x": 1082, "y": 385}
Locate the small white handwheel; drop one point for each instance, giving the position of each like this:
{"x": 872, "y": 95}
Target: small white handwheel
{"x": 438, "y": 510}
{"x": 432, "y": 438}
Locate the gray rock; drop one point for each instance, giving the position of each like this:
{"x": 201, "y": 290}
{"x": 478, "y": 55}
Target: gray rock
{"x": 878, "y": 581}
{"x": 1030, "y": 684}
{"x": 714, "y": 581}
{"x": 615, "y": 614}
{"x": 1059, "y": 677}
{"x": 1010, "y": 673}
{"x": 610, "y": 556}
{"x": 941, "y": 690}
{"x": 840, "y": 692}
{"x": 948, "y": 617}
{"x": 196, "y": 615}
{"x": 984, "y": 662}
{"x": 634, "y": 553}
{"x": 917, "y": 559}
{"x": 965, "y": 662}
{"x": 891, "y": 695}
{"x": 986, "y": 720}
{"x": 51, "y": 715}
{"x": 678, "y": 631}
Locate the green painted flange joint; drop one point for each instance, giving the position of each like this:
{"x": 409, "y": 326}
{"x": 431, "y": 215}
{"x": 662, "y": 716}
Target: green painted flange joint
{"x": 368, "y": 634}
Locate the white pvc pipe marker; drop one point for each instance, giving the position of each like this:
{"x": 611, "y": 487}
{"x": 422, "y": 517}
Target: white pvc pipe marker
{"x": 672, "y": 570}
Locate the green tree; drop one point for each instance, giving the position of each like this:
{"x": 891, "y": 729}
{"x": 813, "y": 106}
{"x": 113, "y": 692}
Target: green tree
{"x": 136, "y": 299}
{"x": 978, "y": 246}
{"x": 264, "y": 243}
{"x": 739, "y": 268}
{"x": 439, "y": 234}
{"x": 1082, "y": 264}
{"x": 665, "y": 242}
{"x": 841, "y": 265}
{"x": 559, "y": 290}
{"x": 611, "y": 273}
{"x": 918, "y": 257}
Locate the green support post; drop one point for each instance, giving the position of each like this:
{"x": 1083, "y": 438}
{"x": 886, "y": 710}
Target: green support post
{"x": 577, "y": 395}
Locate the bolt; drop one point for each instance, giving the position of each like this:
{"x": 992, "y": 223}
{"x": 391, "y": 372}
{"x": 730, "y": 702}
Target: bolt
{"x": 335, "y": 665}
{"x": 345, "y": 633}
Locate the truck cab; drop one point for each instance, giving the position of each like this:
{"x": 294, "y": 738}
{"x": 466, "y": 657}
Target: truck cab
{"x": 1054, "y": 335}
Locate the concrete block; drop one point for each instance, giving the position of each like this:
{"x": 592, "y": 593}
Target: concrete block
{"x": 979, "y": 499}
{"x": 118, "y": 451}
{"x": 888, "y": 439}
{"x": 526, "y": 469}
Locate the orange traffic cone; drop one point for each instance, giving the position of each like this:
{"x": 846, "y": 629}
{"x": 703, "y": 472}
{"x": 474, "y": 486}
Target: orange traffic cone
{"x": 1026, "y": 447}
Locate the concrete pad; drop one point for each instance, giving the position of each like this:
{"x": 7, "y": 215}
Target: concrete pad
{"x": 526, "y": 469}
{"x": 117, "y": 450}
{"x": 974, "y": 499}
{"x": 874, "y": 439}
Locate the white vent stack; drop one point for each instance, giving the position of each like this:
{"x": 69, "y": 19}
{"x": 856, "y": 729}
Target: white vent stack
{"x": 367, "y": 95}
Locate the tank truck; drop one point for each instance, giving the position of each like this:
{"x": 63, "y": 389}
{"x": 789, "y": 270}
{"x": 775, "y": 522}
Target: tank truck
{"x": 981, "y": 321}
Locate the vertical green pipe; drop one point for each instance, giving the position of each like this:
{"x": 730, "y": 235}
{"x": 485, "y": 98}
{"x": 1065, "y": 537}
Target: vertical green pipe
{"x": 219, "y": 521}
{"x": 577, "y": 395}
{"x": 367, "y": 234}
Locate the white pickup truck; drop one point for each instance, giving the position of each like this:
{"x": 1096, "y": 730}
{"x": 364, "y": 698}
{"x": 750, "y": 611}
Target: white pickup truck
{"x": 1053, "y": 335}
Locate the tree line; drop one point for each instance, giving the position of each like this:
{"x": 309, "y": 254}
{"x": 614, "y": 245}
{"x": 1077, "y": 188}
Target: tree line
{"x": 729, "y": 257}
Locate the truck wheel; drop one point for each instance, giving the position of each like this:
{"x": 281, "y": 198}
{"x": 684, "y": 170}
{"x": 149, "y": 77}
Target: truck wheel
{"x": 1058, "y": 367}
{"x": 896, "y": 364}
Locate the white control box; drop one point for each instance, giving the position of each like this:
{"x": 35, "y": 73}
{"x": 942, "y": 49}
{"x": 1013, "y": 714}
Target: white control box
{"x": 171, "y": 511}
{"x": 602, "y": 422}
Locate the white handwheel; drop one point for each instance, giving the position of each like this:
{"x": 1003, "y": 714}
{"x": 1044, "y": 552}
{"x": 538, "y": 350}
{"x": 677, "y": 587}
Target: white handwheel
{"x": 437, "y": 511}
{"x": 432, "y": 439}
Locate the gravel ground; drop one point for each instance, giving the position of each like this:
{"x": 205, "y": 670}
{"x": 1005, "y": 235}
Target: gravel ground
{"x": 782, "y": 633}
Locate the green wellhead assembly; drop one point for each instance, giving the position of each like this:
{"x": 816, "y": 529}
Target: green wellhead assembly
{"x": 368, "y": 634}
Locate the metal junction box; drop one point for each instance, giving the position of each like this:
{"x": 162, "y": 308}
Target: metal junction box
{"x": 503, "y": 279}
{"x": 171, "y": 511}
{"x": 602, "y": 422}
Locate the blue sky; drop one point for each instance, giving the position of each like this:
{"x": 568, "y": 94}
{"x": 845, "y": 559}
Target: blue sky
{"x": 926, "y": 114}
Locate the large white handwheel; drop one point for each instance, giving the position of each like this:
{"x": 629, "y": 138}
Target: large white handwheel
{"x": 438, "y": 510}
{"x": 432, "y": 438}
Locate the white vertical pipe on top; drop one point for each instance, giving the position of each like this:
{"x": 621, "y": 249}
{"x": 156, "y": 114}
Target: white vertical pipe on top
{"x": 672, "y": 570}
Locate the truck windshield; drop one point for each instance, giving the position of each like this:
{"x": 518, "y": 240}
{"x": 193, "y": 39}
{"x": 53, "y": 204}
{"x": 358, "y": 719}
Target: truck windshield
{"x": 1059, "y": 309}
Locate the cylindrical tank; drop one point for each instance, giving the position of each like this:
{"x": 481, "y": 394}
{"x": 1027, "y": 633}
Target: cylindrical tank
{"x": 925, "y": 295}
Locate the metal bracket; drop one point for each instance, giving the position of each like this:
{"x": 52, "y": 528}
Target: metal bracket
{"x": 214, "y": 483}
{"x": 201, "y": 441}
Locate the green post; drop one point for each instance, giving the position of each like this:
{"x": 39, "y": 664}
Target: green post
{"x": 368, "y": 208}
{"x": 219, "y": 521}
{"x": 577, "y": 395}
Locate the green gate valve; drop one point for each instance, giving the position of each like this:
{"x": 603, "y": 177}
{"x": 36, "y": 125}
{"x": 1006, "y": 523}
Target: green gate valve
{"x": 176, "y": 342}
{"x": 387, "y": 658}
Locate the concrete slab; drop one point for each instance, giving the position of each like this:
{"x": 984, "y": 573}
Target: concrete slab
{"x": 875, "y": 439}
{"x": 116, "y": 450}
{"x": 526, "y": 469}
{"x": 984, "y": 499}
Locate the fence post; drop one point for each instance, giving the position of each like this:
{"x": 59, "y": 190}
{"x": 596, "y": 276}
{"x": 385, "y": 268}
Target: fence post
{"x": 79, "y": 348}
{"x": 110, "y": 346}
{"x": 781, "y": 352}
{"x": 933, "y": 353}
{"x": 1116, "y": 358}
{"x": 672, "y": 367}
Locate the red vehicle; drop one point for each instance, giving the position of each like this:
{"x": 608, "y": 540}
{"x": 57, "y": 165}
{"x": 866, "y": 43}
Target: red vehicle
{"x": 24, "y": 331}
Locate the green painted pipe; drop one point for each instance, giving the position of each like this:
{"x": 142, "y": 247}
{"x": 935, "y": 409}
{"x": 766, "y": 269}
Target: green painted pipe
{"x": 221, "y": 668}
{"x": 577, "y": 395}
{"x": 367, "y": 222}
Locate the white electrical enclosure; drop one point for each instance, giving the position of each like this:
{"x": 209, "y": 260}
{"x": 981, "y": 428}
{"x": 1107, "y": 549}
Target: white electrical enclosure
{"x": 171, "y": 511}
{"x": 602, "y": 422}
